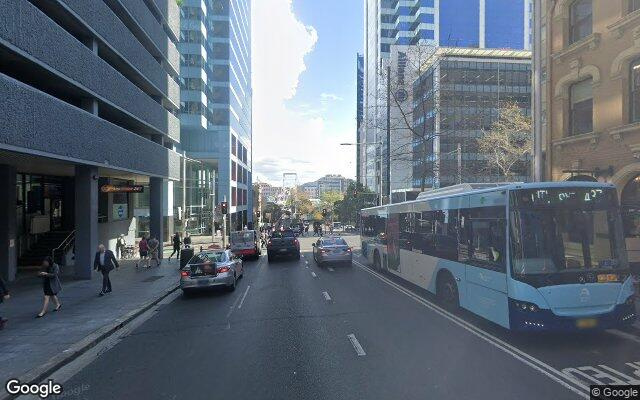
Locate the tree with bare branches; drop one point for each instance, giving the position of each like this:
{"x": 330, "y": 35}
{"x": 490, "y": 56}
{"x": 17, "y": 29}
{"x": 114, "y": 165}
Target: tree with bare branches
{"x": 408, "y": 71}
{"x": 509, "y": 141}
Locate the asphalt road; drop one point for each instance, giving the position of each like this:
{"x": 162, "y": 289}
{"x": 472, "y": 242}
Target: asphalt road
{"x": 292, "y": 330}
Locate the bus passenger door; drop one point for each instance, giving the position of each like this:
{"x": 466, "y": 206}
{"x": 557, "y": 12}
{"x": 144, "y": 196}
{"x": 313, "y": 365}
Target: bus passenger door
{"x": 484, "y": 245}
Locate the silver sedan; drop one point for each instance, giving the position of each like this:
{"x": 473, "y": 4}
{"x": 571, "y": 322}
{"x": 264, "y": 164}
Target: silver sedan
{"x": 332, "y": 249}
{"x": 216, "y": 268}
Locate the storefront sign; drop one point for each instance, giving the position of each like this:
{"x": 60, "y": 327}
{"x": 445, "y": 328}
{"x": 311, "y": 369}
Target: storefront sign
{"x": 122, "y": 188}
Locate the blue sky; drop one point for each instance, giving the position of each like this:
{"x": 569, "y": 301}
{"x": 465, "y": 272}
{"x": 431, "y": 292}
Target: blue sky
{"x": 305, "y": 86}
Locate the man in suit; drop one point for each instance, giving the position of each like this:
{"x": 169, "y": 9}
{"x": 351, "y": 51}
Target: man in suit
{"x": 105, "y": 261}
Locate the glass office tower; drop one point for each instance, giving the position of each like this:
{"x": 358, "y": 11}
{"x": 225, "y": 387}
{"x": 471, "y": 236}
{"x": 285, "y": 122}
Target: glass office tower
{"x": 215, "y": 117}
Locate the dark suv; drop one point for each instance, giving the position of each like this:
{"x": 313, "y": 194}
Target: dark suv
{"x": 283, "y": 243}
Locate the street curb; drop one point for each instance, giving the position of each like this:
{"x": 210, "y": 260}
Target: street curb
{"x": 37, "y": 374}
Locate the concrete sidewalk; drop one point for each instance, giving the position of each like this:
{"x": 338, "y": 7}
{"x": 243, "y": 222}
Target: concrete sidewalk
{"x": 27, "y": 343}
{"x": 31, "y": 348}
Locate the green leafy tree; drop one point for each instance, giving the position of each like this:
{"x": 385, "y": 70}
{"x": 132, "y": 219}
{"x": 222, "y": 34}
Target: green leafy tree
{"x": 355, "y": 199}
{"x": 273, "y": 210}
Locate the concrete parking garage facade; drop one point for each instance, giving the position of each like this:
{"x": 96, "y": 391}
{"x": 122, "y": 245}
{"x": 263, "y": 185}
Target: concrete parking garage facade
{"x": 90, "y": 98}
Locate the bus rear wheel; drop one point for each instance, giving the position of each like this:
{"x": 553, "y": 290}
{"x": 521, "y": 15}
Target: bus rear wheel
{"x": 376, "y": 261}
{"x": 447, "y": 292}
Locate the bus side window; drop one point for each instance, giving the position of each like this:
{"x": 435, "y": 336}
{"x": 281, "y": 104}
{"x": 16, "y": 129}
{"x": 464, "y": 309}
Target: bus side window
{"x": 487, "y": 242}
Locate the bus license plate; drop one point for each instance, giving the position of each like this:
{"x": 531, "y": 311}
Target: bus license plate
{"x": 585, "y": 323}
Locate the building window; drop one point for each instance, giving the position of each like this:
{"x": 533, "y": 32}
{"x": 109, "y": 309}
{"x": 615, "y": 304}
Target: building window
{"x": 634, "y": 5}
{"x": 581, "y": 113}
{"x": 580, "y": 24}
{"x": 634, "y": 92}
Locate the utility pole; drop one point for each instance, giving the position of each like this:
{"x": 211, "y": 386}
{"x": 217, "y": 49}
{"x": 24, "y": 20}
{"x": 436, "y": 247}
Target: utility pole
{"x": 184, "y": 191}
{"x": 459, "y": 151}
{"x": 388, "y": 134}
{"x": 537, "y": 92}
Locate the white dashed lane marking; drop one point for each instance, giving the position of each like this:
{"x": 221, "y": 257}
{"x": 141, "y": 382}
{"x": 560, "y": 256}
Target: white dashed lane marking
{"x": 356, "y": 345}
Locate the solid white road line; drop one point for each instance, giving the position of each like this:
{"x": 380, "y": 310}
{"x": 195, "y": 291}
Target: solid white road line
{"x": 356, "y": 345}
{"x": 314, "y": 274}
{"x": 568, "y": 382}
{"x": 625, "y": 335}
{"x": 233, "y": 307}
{"x": 331, "y": 269}
{"x": 244, "y": 296}
{"x": 326, "y": 296}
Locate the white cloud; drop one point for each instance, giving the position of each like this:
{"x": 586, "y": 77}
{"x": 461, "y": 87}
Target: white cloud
{"x": 288, "y": 139}
{"x": 331, "y": 97}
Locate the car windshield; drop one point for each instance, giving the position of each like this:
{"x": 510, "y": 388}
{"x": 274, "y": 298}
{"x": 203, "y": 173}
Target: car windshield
{"x": 203, "y": 258}
{"x": 334, "y": 242}
{"x": 569, "y": 234}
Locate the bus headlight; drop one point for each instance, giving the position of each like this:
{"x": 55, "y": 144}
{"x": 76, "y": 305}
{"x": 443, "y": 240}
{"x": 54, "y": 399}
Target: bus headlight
{"x": 525, "y": 306}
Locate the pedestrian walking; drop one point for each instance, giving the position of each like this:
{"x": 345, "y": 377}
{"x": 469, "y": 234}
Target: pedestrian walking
{"x": 4, "y": 295}
{"x": 121, "y": 243}
{"x": 104, "y": 262}
{"x": 154, "y": 246}
{"x": 143, "y": 248}
{"x": 187, "y": 240}
{"x": 176, "y": 246}
{"x": 50, "y": 285}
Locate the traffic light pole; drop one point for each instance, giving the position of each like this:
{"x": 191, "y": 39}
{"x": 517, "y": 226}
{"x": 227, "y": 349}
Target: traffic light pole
{"x": 224, "y": 226}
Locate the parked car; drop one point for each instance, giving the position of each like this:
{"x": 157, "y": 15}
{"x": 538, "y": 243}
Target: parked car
{"x": 283, "y": 243}
{"x": 333, "y": 249}
{"x": 246, "y": 244}
{"x": 210, "y": 269}
{"x": 349, "y": 228}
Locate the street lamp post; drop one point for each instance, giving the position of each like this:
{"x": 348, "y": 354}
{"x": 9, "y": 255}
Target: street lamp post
{"x": 388, "y": 162}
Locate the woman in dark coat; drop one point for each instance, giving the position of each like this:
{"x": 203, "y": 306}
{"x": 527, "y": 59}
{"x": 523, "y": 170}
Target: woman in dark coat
{"x": 50, "y": 285}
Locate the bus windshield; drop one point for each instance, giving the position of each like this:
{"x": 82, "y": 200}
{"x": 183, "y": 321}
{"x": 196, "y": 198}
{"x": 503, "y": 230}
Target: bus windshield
{"x": 565, "y": 230}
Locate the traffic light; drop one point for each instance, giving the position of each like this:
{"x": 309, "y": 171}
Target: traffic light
{"x": 224, "y": 208}
{"x": 258, "y": 214}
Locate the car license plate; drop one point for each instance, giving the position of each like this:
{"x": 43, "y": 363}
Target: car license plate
{"x": 203, "y": 282}
{"x": 585, "y": 323}
{"x": 283, "y": 250}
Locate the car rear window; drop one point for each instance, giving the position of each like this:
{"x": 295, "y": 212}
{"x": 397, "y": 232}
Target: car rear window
{"x": 282, "y": 234}
{"x": 246, "y": 237}
{"x": 334, "y": 242}
{"x": 208, "y": 257}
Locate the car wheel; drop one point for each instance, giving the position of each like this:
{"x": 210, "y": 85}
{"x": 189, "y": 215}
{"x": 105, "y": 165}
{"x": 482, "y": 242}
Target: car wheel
{"x": 269, "y": 257}
{"x": 186, "y": 293}
{"x": 297, "y": 255}
{"x": 447, "y": 292}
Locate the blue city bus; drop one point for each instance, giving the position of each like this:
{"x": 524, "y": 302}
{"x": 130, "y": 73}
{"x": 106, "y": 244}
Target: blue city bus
{"x": 530, "y": 257}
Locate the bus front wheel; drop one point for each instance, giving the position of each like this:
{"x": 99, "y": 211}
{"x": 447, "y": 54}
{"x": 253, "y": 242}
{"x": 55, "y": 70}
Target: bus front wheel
{"x": 447, "y": 292}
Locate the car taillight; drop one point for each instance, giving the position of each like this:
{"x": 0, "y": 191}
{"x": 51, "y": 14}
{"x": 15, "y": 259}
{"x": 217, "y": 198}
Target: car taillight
{"x": 296, "y": 242}
{"x": 184, "y": 273}
{"x": 269, "y": 243}
{"x": 223, "y": 269}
